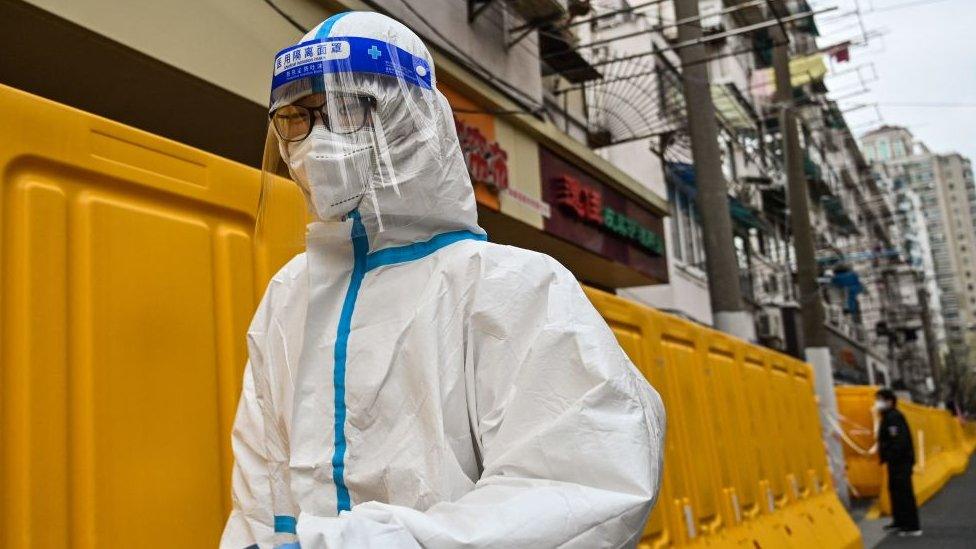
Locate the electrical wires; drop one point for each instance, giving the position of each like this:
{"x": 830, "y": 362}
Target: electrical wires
{"x": 286, "y": 17}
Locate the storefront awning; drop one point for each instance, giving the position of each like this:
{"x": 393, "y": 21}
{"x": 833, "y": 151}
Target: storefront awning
{"x": 682, "y": 175}
{"x": 746, "y": 216}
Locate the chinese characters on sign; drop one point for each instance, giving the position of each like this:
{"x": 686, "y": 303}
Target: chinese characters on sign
{"x": 583, "y": 200}
{"x": 487, "y": 162}
{"x": 599, "y": 218}
{"x": 292, "y": 58}
{"x": 586, "y": 203}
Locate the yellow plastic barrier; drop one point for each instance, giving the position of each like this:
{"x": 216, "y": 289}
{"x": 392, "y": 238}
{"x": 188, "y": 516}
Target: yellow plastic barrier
{"x": 745, "y": 464}
{"x": 128, "y": 274}
{"x": 943, "y": 445}
{"x": 863, "y": 469}
{"x": 969, "y": 436}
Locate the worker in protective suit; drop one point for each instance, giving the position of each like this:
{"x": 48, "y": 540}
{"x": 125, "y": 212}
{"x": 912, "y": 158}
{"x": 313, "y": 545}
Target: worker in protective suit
{"x": 409, "y": 383}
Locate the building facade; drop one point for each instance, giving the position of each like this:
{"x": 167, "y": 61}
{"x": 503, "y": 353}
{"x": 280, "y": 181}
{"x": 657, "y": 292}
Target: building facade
{"x": 539, "y": 185}
{"x": 572, "y": 119}
{"x": 944, "y": 185}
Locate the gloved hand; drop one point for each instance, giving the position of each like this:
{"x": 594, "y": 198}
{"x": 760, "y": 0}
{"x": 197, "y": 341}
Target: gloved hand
{"x": 351, "y": 530}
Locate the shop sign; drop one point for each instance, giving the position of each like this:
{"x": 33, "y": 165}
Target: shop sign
{"x": 534, "y": 204}
{"x": 487, "y": 162}
{"x": 595, "y": 216}
{"x": 586, "y": 204}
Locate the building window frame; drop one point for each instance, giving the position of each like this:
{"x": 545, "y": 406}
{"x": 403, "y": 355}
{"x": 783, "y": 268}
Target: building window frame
{"x": 687, "y": 235}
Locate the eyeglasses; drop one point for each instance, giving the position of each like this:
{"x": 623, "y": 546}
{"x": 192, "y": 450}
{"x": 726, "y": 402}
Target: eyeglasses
{"x": 341, "y": 114}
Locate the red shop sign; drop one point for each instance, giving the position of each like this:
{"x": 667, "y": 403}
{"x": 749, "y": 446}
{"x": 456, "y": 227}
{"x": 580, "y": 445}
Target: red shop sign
{"x": 586, "y": 203}
{"x": 583, "y": 200}
{"x": 487, "y": 162}
{"x": 597, "y": 217}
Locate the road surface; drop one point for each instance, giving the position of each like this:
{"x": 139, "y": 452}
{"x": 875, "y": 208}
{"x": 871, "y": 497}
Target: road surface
{"x": 948, "y": 519}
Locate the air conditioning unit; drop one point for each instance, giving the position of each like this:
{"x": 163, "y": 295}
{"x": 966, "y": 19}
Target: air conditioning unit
{"x": 711, "y": 18}
{"x": 770, "y": 327}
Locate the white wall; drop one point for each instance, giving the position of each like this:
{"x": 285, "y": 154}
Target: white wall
{"x": 232, "y": 43}
{"x": 687, "y": 291}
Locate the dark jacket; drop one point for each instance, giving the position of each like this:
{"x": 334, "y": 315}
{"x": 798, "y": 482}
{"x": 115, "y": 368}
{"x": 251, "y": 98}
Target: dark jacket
{"x": 895, "y": 439}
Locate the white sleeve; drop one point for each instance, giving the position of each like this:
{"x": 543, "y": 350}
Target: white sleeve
{"x": 570, "y": 434}
{"x": 260, "y": 486}
{"x": 251, "y": 521}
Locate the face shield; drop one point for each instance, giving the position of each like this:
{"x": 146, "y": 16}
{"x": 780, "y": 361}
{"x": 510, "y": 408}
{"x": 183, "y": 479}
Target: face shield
{"x": 355, "y": 124}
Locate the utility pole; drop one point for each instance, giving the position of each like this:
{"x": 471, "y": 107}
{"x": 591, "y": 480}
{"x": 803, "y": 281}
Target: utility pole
{"x": 930, "y": 344}
{"x": 725, "y": 295}
{"x": 816, "y": 349}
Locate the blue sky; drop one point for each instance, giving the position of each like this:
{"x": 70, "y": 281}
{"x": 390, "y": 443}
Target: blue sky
{"x": 926, "y": 55}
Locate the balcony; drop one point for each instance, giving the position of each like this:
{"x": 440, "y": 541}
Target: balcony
{"x": 557, "y": 49}
{"x": 557, "y": 42}
{"x": 837, "y": 215}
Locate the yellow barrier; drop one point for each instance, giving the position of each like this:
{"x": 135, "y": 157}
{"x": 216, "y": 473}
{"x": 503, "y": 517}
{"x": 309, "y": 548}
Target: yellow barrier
{"x": 943, "y": 445}
{"x": 128, "y": 274}
{"x": 745, "y": 464}
{"x": 863, "y": 470}
{"x": 128, "y": 277}
{"x": 969, "y": 436}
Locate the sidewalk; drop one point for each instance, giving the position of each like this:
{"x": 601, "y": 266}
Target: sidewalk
{"x": 948, "y": 519}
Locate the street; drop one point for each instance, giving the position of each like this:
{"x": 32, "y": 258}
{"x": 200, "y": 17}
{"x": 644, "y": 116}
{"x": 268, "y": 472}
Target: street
{"x": 948, "y": 520}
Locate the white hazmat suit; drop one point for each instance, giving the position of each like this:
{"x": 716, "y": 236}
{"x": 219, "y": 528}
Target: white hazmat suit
{"x": 409, "y": 383}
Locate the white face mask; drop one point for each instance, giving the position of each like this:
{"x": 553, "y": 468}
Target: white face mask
{"x": 335, "y": 169}
{"x": 880, "y": 405}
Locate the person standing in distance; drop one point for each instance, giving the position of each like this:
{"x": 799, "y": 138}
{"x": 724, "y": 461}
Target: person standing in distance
{"x": 896, "y": 451}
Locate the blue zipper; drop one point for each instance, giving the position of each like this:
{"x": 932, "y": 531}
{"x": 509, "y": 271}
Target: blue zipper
{"x": 363, "y": 262}
{"x": 360, "y": 248}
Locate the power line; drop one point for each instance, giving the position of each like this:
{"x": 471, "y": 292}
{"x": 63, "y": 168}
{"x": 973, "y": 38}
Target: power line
{"x": 935, "y": 104}
{"x": 286, "y": 17}
{"x": 917, "y": 3}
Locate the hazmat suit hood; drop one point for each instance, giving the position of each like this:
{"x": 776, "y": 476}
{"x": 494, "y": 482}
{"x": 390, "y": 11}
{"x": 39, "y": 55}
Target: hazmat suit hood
{"x": 415, "y": 184}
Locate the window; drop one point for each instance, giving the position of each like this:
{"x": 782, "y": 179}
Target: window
{"x": 686, "y": 231}
{"x": 883, "y": 151}
{"x": 728, "y": 158}
{"x": 899, "y": 149}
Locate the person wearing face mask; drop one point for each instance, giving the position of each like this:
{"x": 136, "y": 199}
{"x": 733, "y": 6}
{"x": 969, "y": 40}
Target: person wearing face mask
{"x": 895, "y": 450}
{"x": 409, "y": 383}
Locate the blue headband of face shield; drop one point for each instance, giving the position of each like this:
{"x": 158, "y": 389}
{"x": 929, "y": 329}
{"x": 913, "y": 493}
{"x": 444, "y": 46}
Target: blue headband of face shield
{"x": 349, "y": 54}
